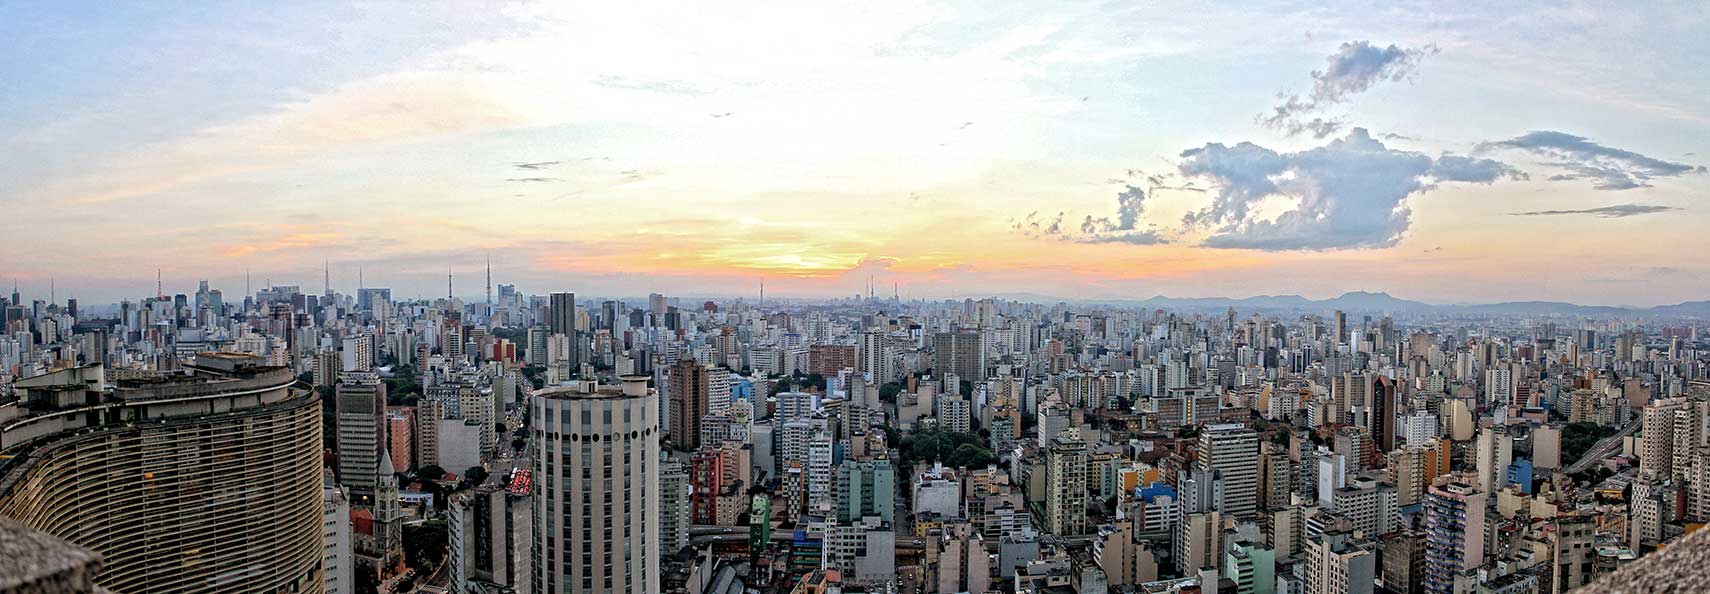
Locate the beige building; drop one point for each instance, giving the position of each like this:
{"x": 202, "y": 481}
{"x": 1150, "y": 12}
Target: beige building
{"x": 164, "y": 485}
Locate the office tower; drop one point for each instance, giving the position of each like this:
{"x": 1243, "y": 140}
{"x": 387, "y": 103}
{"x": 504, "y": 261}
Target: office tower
{"x": 490, "y": 535}
{"x": 177, "y": 507}
{"x": 562, "y": 321}
{"x": 1454, "y": 526}
{"x": 1385, "y": 405}
{"x": 866, "y": 488}
{"x": 1232, "y": 450}
{"x": 691, "y": 395}
{"x": 1340, "y": 327}
{"x": 360, "y": 402}
{"x": 596, "y": 497}
{"x": 1066, "y": 486}
{"x": 1339, "y": 563}
{"x": 961, "y": 353}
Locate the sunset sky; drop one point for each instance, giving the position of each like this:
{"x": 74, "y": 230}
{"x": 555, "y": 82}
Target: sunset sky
{"x": 1445, "y": 153}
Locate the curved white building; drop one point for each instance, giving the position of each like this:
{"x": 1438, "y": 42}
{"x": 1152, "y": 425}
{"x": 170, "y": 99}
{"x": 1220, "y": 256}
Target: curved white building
{"x": 597, "y": 500}
{"x": 205, "y": 481}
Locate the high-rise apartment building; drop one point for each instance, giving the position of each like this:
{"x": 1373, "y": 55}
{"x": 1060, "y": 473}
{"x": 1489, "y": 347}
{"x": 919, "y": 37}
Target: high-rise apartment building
{"x": 1454, "y": 527}
{"x": 596, "y": 497}
{"x": 1339, "y": 563}
{"x": 1232, "y": 450}
{"x": 1066, "y": 486}
{"x": 172, "y": 504}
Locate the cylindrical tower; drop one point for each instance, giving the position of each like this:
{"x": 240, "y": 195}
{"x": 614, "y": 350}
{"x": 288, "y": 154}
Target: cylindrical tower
{"x": 596, "y": 506}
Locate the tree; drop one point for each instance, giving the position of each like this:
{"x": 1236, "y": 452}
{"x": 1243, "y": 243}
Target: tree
{"x": 431, "y": 472}
{"x": 474, "y": 476}
{"x": 950, "y": 447}
{"x": 888, "y": 392}
{"x": 367, "y": 579}
{"x": 425, "y": 544}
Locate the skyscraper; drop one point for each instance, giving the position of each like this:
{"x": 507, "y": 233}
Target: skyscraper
{"x": 961, "y": 353}
{"x": 691, "y": 395}
{"x": 360, "y": 403}
{"x": 562, "y": 317}
{"x": 596, "y": 502}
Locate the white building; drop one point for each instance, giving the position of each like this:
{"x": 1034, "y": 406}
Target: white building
{"x": 597, "y": 499}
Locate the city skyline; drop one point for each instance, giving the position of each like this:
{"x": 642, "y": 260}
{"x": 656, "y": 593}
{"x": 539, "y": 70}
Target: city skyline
{"x": 1451, "y": 153}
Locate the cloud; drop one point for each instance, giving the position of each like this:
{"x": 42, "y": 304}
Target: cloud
{"x": 1471, "y": 169}
{"x": 1355, "y": 68}
{"x": 1033, "y": 225}
{"x": 1617, "y": 211}
{"x": 1130, "y": 202}
{"x": 537, "y": 165}
{"x": 535, "y": 179}
{"x": 1350, "y": 193}
{"x": 1143, "y": 237}
{"x": 1578, "y": 157}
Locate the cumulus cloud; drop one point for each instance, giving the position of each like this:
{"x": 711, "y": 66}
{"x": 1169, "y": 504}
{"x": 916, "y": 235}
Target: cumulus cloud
{"x": 1355, "y": 68}
{"x": 1617, "y": 211}
{"x": 1130, "y": 202}
{"x": 1607, "y": 168}
{"x": 1350, "y": 193}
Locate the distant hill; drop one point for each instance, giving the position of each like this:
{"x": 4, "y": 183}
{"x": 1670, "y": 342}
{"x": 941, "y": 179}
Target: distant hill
{"x": 1381, "y": 303}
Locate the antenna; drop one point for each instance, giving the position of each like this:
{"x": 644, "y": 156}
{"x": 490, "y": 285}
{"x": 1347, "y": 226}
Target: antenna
{"x": 52, "y": 299}
{"x": 326, "y": 282}
{"x": 159, "y": 292}
{"x": 359, "y": 285}
{"x": 489, "y": 279}
{"x": 762, "y": 290}
{"x": 448, "y": 296}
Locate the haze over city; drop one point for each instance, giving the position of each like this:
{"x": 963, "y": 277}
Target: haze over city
{"x": 1446, "y": 153}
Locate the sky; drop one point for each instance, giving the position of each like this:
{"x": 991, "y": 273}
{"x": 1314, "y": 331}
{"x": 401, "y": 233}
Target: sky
{"x": 1445, "y": 152}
